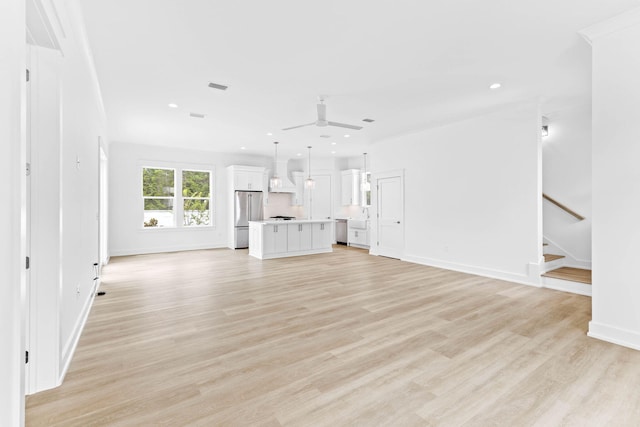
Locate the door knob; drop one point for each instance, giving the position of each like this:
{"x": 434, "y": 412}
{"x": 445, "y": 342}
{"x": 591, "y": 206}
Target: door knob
{"x": 397, "y": 222}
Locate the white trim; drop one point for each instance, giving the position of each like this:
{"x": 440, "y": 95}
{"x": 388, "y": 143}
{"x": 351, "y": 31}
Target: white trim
{"x": 619, "y": 336}
{"x": 619, "y": 22}
{"x": 72, "y": 343}
{"x": 566, "y": 286}
{"x": 156, "y": 250}
{"x": 522, "y": 279}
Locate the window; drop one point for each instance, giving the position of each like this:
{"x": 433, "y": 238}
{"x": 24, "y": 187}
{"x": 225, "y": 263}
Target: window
{"x": 164, "y": 207}
{"x": 196, "y": 197}
{"x": 158, "y": 197}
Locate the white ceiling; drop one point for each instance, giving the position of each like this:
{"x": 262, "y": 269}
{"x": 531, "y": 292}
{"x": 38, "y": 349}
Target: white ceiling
{"x": 408, "y": 64}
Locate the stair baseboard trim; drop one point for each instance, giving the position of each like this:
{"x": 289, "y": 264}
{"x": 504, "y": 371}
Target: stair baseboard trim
{"x": 521, "y": 279}
{"x": 566, "y": 286}
{"x": 614, "y": 335}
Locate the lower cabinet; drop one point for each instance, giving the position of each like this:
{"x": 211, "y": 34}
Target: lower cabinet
{"x": 322, "y": 235}
{"x": 269, "y": 240}
{"x": 274, "y": 239}
{"x": 358, "y": 237}
{"x": 299, "y": 238}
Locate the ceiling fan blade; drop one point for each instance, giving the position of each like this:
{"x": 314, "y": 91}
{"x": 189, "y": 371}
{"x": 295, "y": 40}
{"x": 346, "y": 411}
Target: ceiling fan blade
{"x": 300, "y": 126}
{"x": 343, "y": 125}
{"x": 322, "y": 112}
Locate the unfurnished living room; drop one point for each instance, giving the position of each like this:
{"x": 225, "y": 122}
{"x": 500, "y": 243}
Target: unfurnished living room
{"x": 297, "y": 214}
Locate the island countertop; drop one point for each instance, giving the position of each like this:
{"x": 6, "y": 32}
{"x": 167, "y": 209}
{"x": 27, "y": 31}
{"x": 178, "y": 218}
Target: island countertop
{"x": 292, "y": 221}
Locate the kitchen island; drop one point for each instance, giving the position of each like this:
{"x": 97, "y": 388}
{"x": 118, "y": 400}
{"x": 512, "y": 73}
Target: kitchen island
{"x": 279, "y": 239}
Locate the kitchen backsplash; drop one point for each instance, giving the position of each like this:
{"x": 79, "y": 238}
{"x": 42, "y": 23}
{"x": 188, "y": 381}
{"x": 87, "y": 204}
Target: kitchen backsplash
{"x": 280, "y": 204}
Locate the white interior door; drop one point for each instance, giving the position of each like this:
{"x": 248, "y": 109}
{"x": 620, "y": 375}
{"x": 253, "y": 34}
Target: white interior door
{"x": 103, "y": 206}
{"x": 390, "y": 190}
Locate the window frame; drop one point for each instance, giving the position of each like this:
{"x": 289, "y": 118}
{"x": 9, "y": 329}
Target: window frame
{"x": 183, "y": 198}
{"x": 172, "y": 198}
{"x": 178, "y": 199}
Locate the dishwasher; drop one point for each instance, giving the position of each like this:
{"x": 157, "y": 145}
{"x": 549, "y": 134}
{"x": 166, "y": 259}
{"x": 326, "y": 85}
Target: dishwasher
{"x": 341, "y": 231}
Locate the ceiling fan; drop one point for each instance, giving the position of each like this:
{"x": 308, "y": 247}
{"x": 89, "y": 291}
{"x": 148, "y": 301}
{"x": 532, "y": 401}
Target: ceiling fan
{"x": 322, "y": 119}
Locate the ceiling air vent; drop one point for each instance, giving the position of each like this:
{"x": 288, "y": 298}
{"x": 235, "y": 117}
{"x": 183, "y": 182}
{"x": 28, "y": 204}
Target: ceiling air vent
{"x": 217, "y": 86}
{"x": 325, "y": 136}
{"x": 197, "y": 115}
{"x": 368, "y": 120}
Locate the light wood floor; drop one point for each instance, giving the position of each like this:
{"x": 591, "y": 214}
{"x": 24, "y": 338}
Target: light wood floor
{"x": 570, "y": 273}
{"x": 216, "y": 338}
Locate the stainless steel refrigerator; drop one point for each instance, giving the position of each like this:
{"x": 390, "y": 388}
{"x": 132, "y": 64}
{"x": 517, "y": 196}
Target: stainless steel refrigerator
{"x": 248, "y": 207}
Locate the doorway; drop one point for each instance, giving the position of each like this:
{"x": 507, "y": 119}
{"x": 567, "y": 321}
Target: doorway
{"x": 390, "y": 218}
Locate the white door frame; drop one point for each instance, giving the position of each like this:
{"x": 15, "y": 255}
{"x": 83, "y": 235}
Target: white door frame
{"x": 374, "y": 204}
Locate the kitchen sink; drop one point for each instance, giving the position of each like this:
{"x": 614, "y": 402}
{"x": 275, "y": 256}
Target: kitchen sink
{"x": 358, "y": 223}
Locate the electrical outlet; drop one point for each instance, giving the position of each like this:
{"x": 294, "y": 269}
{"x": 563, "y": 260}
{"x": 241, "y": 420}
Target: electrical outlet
{"x": 78, "y": 289}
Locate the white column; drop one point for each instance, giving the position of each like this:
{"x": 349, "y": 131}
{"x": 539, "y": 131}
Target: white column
{"x": 616, "y": 179}
{"x": 12, "y": 213}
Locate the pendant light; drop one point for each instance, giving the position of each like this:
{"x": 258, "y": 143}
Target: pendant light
{"x": 365, "y": 185}
{"x": 275, "y": 181}
{"x": 309, "y": 182}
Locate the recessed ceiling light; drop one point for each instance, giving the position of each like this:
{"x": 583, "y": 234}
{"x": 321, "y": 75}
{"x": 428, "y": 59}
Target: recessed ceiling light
{"x": 333, "y": 143}
{"x": 243, "y": 148}
{"x": 495, "y": 86}
{"x": 347, "y": 135}
{"x": 299, "y": 154}
{"x": 269, "y": 133}
{"x": 172, "y": 105}
{"x": 333, "y": 152}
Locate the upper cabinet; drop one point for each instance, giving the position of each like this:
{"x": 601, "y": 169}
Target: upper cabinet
{"x": 350, "y": 187}
{"x": 247, "y": 178}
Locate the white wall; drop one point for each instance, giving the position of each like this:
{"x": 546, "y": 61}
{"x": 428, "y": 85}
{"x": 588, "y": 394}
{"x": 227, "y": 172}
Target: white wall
{"x": 566, "y": 166}
{"x": 616, "y": 180}
{"x": 126, "y": 234}
{"x": 12, "y": 186}
{"x": 472, "y": 193}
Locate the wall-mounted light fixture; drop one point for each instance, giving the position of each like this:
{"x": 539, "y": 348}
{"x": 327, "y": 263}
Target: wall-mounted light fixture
{"x": 545, "y": 130}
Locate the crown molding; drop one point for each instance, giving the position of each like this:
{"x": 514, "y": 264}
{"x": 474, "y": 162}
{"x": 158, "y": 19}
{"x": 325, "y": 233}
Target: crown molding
{"x": 619, "y": 22}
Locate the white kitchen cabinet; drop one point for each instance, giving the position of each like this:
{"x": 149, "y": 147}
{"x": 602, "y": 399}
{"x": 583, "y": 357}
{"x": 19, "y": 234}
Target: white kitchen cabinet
{"x": 297, "y": 198}
{"x": 322, "y": 235}
{"x": 299, "y": 237}
{"x": 279, "y": 239}
{"x": 358, "y": 233}
{"x": 247, "y": 178}
{"x": 274, "y": 239}
{"x": 350, "y": 194}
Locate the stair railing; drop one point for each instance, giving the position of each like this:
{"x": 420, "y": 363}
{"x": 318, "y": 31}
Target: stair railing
{"x": 563, "y": 207}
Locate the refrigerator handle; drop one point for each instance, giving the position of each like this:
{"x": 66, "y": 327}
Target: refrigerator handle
{"x": 249, "y": 218}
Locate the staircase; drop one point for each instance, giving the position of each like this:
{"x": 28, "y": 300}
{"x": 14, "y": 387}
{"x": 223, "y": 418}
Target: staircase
{"x": 568, "y": 279}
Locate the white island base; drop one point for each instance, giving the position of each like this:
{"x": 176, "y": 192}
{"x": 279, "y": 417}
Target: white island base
{"x": 279, "y": 239}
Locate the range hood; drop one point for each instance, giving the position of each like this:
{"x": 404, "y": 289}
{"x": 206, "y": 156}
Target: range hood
{"x": 283, "y": 173}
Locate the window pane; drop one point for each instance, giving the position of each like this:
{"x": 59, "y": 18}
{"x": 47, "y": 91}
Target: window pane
{"x": 195, "y": 184}
{"x": 196, "y": 212}
{"x": 158, "y": 213}
{"x": 157, "y": 182}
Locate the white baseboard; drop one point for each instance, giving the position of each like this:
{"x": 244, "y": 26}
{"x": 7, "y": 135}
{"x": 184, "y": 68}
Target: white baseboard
{"x": 522, "y": 279}
{"x": 70, "y": 346}
{"x": 178, "y": 248}
{"x": 619, "y": 336}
